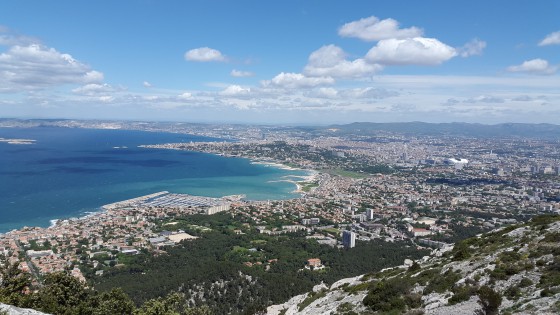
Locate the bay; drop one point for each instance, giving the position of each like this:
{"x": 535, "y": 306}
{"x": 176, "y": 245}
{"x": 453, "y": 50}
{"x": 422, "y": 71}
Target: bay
{"x": 69, "y": 172}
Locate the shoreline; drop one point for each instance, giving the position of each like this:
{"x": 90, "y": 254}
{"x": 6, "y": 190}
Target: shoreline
{"x": 102, "y": 209}
{"x": 285, "y": 194}
{"x": 311, "y": 175}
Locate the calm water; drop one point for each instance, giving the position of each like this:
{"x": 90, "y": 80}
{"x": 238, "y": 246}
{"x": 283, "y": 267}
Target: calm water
{"x": 69, "y": 172}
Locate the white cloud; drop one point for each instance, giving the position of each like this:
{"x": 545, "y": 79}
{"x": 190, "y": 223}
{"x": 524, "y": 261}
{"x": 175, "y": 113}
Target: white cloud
{"x": 329, "y": 61}
{"x": 8, "y": 38}
{"x": 485, "y": 99}
{"x": 185, "y": 96}
{"x": 534, "y": 66}
{"x": 373, "y": 29}
{"x": 106, "y": 99}
{"x": 241, "y": 74}
{"x": 410, "y": 51}
{"x": 147, "y": 84}
{"x": 235, "y": 90}
{"x": 323, "y": 92}
{"x": 474, "y": 47}
{"x": 296, "y": 80}
{"x": 94, "y": 89}
{"x": 93, "y": 76}
{"x": 36, "y": 66}
{"x": 551, "y": 39}
{"x": 368, "y": 93}
{"x": 204, "y": 54}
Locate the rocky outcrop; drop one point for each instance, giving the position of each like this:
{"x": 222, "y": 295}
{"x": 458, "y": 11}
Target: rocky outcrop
{"x": 12, "y": 310}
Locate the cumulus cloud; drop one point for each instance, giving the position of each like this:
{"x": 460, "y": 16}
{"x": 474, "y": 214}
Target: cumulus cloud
{"x": 551, "y": 39}
{"x": 9, "y": 38}
{"x": 534, "y": 66}
{"x": 235, "y": 90}
{"x": 204, "y": 54}
{"x": 106, "y": 99}
{"x": 410, "y": 51}
{"x": 373, "y": 29}
{"x": 184, "y": 96}
{"x": 323, "y": 92}
{"x": 36, "y": 66}
{"x": 474, "y": 47}
{"x": 241, "y": 74}
{"x": 329, "y": 61}
{"x": 94, "y": 89}
{"x": 147, "y": 84}
{"x": 369, "y": 93}
{"x": 296, "y": 80}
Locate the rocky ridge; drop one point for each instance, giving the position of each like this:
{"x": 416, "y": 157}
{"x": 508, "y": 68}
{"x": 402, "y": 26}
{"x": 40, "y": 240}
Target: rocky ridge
{"x": 513, "y": 270}
{"x": 12, "y": 310}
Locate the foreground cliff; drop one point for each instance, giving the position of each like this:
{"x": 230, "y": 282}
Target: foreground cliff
{"x": 12, "y": 310}
{"x": 515, "y": 270}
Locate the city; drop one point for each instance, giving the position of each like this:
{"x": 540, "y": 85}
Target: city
{"x": 430, "y": 190}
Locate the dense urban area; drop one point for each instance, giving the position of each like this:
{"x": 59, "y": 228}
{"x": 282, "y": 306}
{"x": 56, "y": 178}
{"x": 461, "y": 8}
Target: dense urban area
{"x": 369, "y": 193}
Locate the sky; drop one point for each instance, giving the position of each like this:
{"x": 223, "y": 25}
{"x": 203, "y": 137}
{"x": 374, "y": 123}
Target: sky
{"x": 281, "y": 62}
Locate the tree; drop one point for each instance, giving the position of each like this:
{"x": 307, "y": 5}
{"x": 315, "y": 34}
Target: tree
{"x": 490, "y": 301}
{"x": 13, "y": 283}
{"x": 62, "y": 294}
{"x": 113, "y": 302}
{"x": 172, "y": 304}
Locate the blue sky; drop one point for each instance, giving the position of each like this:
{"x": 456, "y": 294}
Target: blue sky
{"x": 300, "y": 62}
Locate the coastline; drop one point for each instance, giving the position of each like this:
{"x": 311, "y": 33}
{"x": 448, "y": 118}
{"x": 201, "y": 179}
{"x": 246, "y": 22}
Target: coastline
{"x": 102, "y": 209}
{"x": 309, "y": 178}
{"x": 78, "y": 212}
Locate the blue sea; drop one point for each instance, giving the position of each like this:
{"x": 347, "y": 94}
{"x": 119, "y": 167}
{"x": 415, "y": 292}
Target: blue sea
{"x": 69, "y": 172}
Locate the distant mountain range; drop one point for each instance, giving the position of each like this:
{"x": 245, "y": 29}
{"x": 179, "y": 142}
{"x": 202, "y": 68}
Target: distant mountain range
{"x": 548, "y": 131}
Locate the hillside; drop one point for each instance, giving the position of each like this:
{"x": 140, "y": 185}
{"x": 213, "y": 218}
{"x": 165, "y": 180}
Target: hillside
{"x": 514, "y": 270}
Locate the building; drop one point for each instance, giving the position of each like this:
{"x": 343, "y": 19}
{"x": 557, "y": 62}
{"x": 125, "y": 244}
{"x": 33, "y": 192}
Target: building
{"x": 369, "y": 214}
{"x": 348, "y": 239}
{"x": 217, "y": 208}
{"x": 314, "y": 264}
{"x": 420, "y": 232}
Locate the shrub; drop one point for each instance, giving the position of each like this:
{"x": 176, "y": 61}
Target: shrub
{"x": 442, "y": 282}
{"x": 462, "y": 293}
{"x": 490, "y": 300}
{"x": 525, "y": 282}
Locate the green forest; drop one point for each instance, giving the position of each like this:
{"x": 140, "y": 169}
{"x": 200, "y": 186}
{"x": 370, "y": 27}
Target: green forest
{"x": 212, "y": 270}
{"x": 220, "y": 272}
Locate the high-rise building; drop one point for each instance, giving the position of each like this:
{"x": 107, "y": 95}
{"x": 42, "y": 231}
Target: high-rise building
{"x": 348, "y": 239}
{"x": 369, "y": 214}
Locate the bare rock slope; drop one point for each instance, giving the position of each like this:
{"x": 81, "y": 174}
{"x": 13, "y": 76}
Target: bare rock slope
{"x": 12, "y": 310}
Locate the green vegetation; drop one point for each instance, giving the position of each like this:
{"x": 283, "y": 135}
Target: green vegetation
{"x": 307, "y": 186}
{"x": 392, "y": 296}
{"x": 12, "y": 282}
{"x": 214, "y": 266}
{"x": 65, "y": 295}
{"x": 490, "y": 300}
{"x": 345, "y": 173}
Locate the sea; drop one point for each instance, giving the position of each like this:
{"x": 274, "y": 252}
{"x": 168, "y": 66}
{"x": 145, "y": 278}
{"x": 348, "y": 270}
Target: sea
{"x": 72, "y": 172}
